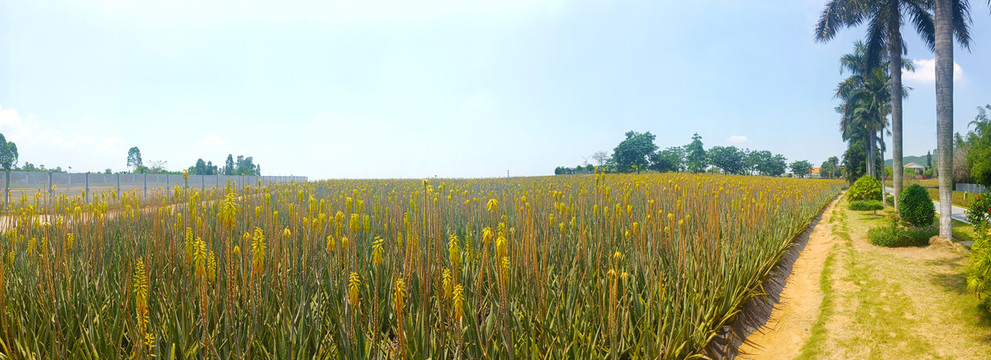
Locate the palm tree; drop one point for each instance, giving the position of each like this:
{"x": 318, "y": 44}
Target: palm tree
{"x": 952, "y": 17}
{"x": 884, "y": 20}
{"x": 866, "y": 100}
{"x": 864, "y": 112}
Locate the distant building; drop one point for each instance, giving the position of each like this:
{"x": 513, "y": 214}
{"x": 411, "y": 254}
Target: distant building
{"x": 815, "y": 173}
{"x": 919, "y": 169}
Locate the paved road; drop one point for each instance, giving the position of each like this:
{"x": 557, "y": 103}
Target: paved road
{"x": 958, "y": 212}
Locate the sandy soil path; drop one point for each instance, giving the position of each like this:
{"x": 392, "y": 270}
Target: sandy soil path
{"x": 788, "y": 327}
{"x": 849, "y": 299}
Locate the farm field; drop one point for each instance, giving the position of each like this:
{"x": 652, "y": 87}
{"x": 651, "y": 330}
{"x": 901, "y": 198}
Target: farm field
{"x": 631, "y": 266}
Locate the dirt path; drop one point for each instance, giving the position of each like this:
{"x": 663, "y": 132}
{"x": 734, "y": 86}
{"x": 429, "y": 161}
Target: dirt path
{"x": 788, "y": 327}
{"x": 853, "y": 300}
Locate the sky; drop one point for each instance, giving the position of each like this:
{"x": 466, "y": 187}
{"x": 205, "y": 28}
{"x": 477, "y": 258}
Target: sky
{"x": 447, "y": 88}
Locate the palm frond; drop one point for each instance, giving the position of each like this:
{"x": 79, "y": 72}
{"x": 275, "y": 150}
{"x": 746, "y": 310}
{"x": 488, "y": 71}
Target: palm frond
{"x": 877, "y": 40}
{"x": 962, "y": 22}
{"x": 920, "y": 11}
{"x": 837, "y": 14}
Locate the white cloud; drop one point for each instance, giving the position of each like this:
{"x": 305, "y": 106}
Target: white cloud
{"x": 12, "y": 125}
{"x": 925, "y": 72}
{"x": 213, "y": 140}
{"x": 72, "y": 144}
{"x": 78, "y": 140}
{"x": 110, "y": 143}
{"x": 737, "y": 139}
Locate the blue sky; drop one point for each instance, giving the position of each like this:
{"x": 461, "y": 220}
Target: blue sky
{"x": 378, "y": 88}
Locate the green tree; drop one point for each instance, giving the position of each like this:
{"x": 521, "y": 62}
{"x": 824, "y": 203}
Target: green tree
{"x": 778, "y": 165}
{"x": 767, "y": 164}
{"x": 199, "y": 168}
{"x": 952, "y": 17}
{"x": 865, "y": 105}
{"x": 8, "y": 158}
{"x": 246, "y": 166}
{"x": 631, "y": 154}
{"x": 134, "y": 158}
{"x": 229, "y": 165}
{"x": 979, "y": 156}
{"x": 884, "y": 20}
{"x": 801, "y": 168}
{"x": 829, "y": 168}
{"x": 759, "y": 161}
{"x": 671, "y": 159}
{"x": 695, "y": 157}
{"x": 750, "y": 160}
{"x": 729, "y": 159}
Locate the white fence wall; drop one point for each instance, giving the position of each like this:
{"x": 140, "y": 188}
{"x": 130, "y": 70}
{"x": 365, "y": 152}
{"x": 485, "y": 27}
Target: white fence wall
{"x": 971, "y": 188}
{"x": 30, "y": 183}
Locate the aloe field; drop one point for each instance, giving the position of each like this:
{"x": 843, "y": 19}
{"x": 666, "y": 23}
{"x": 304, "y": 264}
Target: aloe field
{"x": 577, "y": 267}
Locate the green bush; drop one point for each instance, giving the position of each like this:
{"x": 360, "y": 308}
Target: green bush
{"x": 897, "y": 236}
{"x": 979, "y": 212}
{"x": 979, "y": 271}
{"x": 915, "y": 207}
{"x": 865, "y": 188}
{"x": 866, "y": 205}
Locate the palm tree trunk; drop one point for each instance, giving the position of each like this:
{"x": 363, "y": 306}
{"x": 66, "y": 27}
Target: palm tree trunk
{"x": 944, "y": 112}
{"x": 880, "y": 162}
{"x": 872, "y": 153}
{"x": 895, "y": 68}
{"x": 871, "y": 171}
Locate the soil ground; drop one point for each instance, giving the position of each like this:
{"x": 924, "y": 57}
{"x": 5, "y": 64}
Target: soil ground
{"x": 848, "y": 299}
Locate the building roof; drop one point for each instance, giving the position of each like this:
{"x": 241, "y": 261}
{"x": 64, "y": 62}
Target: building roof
{"x": 815, "y": 170}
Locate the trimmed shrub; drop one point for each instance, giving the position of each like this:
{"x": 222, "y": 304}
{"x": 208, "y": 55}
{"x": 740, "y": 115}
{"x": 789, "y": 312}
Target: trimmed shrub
{"x": 865, "y": 188}
{"x": 915, "y": 207}
{"x": 866, "y": 205}
{"x": 896, "y": 236}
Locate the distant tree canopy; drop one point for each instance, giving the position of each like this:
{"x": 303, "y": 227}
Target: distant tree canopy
{"x": 203, "y": 168}
{"x": 671, "y": 159}
{"x": 242, "y": 166}
{"x": 134, "y": 158}
{"x": 764, "y": 163}
{"x": 695, "y": 156}
{"x": 631, "y": 154}
{"x": 637, "y": 152}
{"x": 801, "y": 168}
{"x": 229, "y": 165}
{"x": 8, "y": 153}
{"x": 580, "y": 169}
{"x": 8, "y": 158}
{"x": 830, "y": 168}
{"x": 729, "y": 159}
{"x": 29, "y": 167}
{"x": 979, "y": 155}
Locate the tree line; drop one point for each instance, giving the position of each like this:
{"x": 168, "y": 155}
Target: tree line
{"x": 972, "y": 152}
{"x": 242, "y": 166}
{"x": 637, "y": 153}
